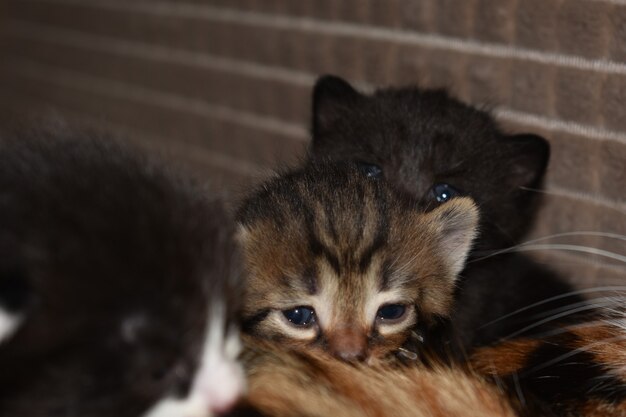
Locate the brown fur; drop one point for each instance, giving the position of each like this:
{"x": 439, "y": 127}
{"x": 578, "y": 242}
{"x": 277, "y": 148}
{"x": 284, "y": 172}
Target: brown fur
{"x": 579, "y": 371}
{"x": 332, "y": 238}
{"x": 312, "y": 384}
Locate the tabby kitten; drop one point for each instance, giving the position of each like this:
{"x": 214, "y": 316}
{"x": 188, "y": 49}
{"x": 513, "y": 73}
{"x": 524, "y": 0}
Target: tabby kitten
{"x": 435, "y": 148}
{"x": 118, "y": 284}
{"x": 337, "y": 260}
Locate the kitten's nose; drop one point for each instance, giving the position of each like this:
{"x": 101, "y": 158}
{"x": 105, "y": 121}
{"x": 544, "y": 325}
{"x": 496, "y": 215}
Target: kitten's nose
{"x": 349, "y": 345}
{"x": 351, "y": 355}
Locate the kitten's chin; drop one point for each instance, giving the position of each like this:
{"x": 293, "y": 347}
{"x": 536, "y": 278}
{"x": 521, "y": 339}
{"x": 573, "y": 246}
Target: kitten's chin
{"x": 212, "y": 395}
{"x": 8, "y": 324}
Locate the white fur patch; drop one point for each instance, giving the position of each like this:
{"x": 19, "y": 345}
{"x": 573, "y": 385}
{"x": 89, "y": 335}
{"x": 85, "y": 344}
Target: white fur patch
{"x": 8, "y": 324}
{"x": 219, "y": 380}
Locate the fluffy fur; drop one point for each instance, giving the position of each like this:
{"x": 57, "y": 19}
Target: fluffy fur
{"x": 418, "y": 139}
{"x": 577, "y": 371}
{"x": 335, "y": 240}
{"x": 313, "y": 384}
{"x": 123, "y": 276}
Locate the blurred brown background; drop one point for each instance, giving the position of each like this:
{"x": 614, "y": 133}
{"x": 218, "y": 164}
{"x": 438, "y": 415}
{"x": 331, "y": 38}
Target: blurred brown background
{"x": 222, "y": 86}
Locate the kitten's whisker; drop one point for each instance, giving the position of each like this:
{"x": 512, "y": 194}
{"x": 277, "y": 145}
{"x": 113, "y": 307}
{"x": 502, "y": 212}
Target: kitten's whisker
{"x": 495, "y": 252}
{"x": 552, "y": 318}
{"x": 417, "y": 336}
{"x": 573, "y": 353}
{"x": 548, "y": 192}
{"x": 578, "y": 233}
{"x": 555, "y": 298}
{"x": 608, "y": 300}
{"x": 407, "y": 354}
{"x": 523, "y": 247}
{"x": 573, "y": 248}
{"x": 518, "y": 389}
{"x": 566, "y": 329}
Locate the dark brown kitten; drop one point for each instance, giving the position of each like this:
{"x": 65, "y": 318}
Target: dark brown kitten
{"x": 337, "y": 260}
{"x": 117, "y": 284}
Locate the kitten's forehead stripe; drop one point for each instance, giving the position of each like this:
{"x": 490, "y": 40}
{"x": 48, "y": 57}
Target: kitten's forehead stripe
{"x": 385, "y": 275}
{"x": 360, "y": 219}
{"x": 318, "y": 249}
{"x": 315, "y": 244}
{"x": 330, "y": 220}
{"x": 309, "y": 277}
{"x": 381, "y": 229}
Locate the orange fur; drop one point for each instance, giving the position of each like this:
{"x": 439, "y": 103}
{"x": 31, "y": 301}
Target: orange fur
{"x": 288, "y": 383}
{"x": 593, "y": 351}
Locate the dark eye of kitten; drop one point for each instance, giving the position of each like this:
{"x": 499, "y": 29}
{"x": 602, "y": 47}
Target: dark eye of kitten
{"x": 300, "y": 316}
{"x": 371, "y": 170}
{"x": 444, "y": 192}
{"x": 391, "y": 312}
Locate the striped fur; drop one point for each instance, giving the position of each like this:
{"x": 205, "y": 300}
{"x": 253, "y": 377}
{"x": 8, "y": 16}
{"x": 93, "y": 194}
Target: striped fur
{"x": 343, "y": 243}
{"x": 579, "y": 370}
{"x": 313, "y": 384}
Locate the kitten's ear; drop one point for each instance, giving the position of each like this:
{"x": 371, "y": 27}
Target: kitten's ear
{"x": 456, "y": 224}
{"x": 15, "y": 294}
{"x": 332, "y": 96}
{"x": 530, "y": 154}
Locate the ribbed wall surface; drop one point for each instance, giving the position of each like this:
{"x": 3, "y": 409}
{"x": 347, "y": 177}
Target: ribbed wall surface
{"x": 224, "y": 86}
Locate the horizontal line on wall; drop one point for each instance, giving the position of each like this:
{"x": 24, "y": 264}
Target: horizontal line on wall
{"x": 133, "y": 92}
{"x": 546, "y": 123}
{"x": 149, "y": 140}
{"x": 44, "y": 33}
{"x": 598, "y": 200}
{"x": 152, "y": 141}
{"x": 589, "y": 260}
{"x": 78, "y": 39}
{"x": 305, "y": 24}
{"x": 617, "y": 2}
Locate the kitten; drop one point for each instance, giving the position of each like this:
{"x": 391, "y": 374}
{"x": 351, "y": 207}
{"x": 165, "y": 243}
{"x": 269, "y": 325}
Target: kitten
{"x": 117, "y": 284}
{"x": 336, "y": 260}
{"x": 435, "y": 148}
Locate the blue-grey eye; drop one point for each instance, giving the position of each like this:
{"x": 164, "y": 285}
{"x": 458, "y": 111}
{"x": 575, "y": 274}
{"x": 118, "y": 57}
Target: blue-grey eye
{"x": 391, "y": 312}
{"x": 300, "y": 316}
{"x": 370, "y": 170}
{"x": 444, "y": 192}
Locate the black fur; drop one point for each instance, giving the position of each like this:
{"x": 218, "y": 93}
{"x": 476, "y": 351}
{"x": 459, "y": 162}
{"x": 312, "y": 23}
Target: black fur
{"x": 121, "y": 261}
{"x": 560, "y": 378}
{"x": 423, "y": 137}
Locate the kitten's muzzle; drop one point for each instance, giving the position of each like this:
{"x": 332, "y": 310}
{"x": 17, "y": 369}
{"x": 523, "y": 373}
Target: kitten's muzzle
{"x": 348, "y": 344}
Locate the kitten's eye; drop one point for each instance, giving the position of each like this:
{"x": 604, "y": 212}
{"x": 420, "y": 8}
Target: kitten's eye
{"x": 444, "y": 192}
{"x": 371, "y": 170}
{"x": 300, "y": 316}
{"x": 391, "y": 312}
